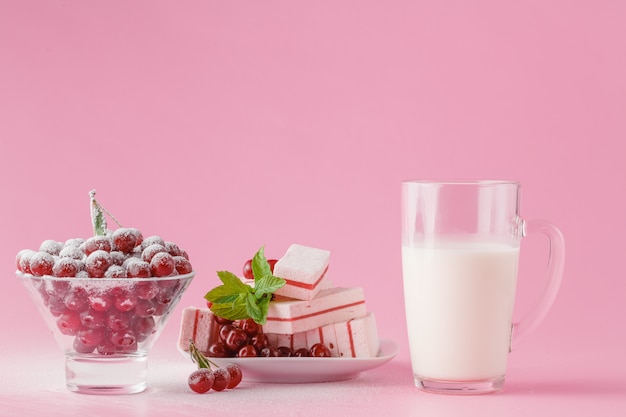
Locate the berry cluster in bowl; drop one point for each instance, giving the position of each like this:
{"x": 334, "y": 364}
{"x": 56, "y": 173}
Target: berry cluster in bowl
{"x": 107, "y": 293}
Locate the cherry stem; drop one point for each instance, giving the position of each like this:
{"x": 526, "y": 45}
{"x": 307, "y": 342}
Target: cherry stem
{"x": 199, "y": 358}
{"x": 92, "y": 195}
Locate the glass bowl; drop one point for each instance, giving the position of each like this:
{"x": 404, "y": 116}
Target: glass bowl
{"x": 106, "y": 326}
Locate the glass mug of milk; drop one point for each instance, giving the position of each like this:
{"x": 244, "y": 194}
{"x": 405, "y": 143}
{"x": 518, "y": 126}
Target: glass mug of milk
{"x": 460, "y": 253}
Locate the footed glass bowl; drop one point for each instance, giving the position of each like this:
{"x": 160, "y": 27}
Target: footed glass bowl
{"x": 106, "y": 326}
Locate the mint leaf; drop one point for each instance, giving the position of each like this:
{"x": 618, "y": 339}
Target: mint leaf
{"x": 232, "y": 282}
{"x": 235, "y": 300}
{"x": 267, "y": 285}
{"x": 231, "y": 311}
{"x": 253, "y": 309}
{"x": 260, "y": 266}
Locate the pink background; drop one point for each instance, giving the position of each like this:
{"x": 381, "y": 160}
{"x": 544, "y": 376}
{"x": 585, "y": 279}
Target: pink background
{"x": 225, "y": 126}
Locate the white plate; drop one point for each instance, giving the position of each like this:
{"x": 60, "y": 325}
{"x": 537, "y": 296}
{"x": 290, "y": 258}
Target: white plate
{"x": 302, "y": 370}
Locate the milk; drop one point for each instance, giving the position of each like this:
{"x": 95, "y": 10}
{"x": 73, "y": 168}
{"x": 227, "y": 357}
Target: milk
{"x": 459, "y": 302}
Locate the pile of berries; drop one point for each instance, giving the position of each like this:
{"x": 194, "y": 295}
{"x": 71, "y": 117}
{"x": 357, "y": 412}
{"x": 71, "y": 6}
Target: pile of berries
{"x": 103, "y": 316}
{"x": 123, "y": 253}
{"x": 245, "y": 338}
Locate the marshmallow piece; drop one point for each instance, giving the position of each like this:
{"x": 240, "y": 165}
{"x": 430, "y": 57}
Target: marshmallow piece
{"x": 293, "y": 341}
{"x": 330, "y": 306}
{"x": 357, "y": 338}
{"x": 304, "y": 268}
{"x": 197, "y": 324}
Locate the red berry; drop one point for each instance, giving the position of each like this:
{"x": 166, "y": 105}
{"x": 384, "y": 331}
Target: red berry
{"x": 136, "y": 268}
{"x": 269, "y": 352}
{"x": 65, "y": 267}
{"x": 235, "y": 375}
{"x": 124, "y": 239}
{"x": 41, "y": 264}
{"x": 124, "y": 338}
{"x": 235, "y": 339}
{"x": 95, "y": 243}
{"x": 73, "y": 252}
{"x": 217, "y": 350}
{"x": 319, "y": 350}
{"x": 69, "y": 323}
{"x": 201, "y": 380}
{"x": 162, "y": 264}
{"x": 22, "y": 260}
{"x": 97, "y": 263}
{"x": 51, "y": 246}
{"x": 247, "y": 351}
{"x": 272, "y": 262}
{"x": 173, "y": 249}
{"x": 247, "y": 270}
{"x": 222, "y": 379}
{"x": 115, "y": 271}
{"x": 182, "y": 265}
{"x": 151, "y": 240}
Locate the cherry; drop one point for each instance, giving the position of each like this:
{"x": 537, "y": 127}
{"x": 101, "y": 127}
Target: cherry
{"x": 217, "y": 350}
{"x": 76, "y": 299}
{"x": 284, "y": 351}
{"x": 124, "y": 338}
{"x": 269, "y": 352}
{"x": 173, "y": 249}
{"x": 247, "y": 270}
{"x": 235, "y": 375}
{"x": 146, "y": 290}
{"x": 136, "y": 268}
{"x": 69, "y": 323}
{"x": 23, "y": 260}
{"x": 90, "y": 337}
{"x": 201, "y": 380}
{"x": 319, "y": 350}
{"x": 41, "y": 263}
{"x": 100, "y": 301}
{"x": 65, "y": 267}
{"x": 51, "y": 246}
{"x": 73, "y": 252}
{"x": 124, "y": 239}
{"x": 247, "y": 351}
{"x": 115, "y": 271}
{"x": 249, "y": 326}
{"x": 301, "y": 353}
{"x": 162, "y": 264}
{"x": 235, "y": 339}
{"x": 271, "y": 263}
{"x": 222, "y": 379}
{"x": 150, "y": 240}
{"x": 259, "y": 341}
{"x": 125, "y": 301}
{"x": 97, "y": 263}
{"x": 182, "y": 265}
{"x": 95, "y": 243}
{"x": 92, "y": 319}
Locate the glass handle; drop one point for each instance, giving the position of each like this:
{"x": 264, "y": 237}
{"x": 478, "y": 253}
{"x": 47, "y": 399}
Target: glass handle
{"x": 556, "y": 263}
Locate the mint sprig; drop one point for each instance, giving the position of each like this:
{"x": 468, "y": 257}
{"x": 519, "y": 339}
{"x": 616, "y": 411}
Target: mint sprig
{"x": 235, "y": 300}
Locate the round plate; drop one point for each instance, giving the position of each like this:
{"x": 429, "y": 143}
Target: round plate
{"x": 304, "y": 370}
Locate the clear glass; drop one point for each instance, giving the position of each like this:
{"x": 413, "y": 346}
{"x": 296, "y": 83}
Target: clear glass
{"x": 460, "y": 254}
{"x": 106, "y": 326}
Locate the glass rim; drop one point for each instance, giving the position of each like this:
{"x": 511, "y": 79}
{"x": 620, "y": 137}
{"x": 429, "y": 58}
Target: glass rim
{"x": 22, "y": 275}
{"x": 476, "y": 182}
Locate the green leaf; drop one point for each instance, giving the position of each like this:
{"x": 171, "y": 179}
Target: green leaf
{"x": 260, "y": 266}
{"x": 235, "y": 310}
{"x": 233, "y": 283}
{"x": 253, "y": 309}
{"x": 268, "y": 285}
